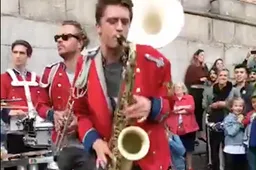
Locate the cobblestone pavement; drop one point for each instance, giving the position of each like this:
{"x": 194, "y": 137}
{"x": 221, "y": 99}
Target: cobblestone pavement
{"x": 200, "y": 162}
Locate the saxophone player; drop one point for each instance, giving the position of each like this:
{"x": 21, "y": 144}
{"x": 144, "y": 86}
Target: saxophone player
{"x": 94, "y": 110}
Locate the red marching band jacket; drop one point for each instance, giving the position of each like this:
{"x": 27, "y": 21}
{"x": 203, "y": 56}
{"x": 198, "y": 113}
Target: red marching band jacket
{"x": 55, "y": 91}
{"x": 188, "y": 119}
{"x": 13, "y": 87}
{"x": 94, "y": 111}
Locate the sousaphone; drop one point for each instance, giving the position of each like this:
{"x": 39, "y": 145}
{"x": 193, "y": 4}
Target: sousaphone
{"x": 156, "y": 22}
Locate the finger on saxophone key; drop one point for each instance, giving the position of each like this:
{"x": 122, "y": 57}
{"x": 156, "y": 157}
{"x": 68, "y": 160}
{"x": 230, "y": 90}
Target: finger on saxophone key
{"x": 100, "y": 163}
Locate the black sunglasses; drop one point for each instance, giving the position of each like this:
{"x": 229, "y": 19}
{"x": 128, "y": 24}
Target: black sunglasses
{"x": 65, "y": 37}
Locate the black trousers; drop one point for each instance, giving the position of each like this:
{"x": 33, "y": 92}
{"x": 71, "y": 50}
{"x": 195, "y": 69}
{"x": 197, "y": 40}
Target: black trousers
{"x": 235, "y": 162}
{"x": 16, "y": 145}
{"x": 216, "y": 139}
{"x": 198, "y": 97}
{"x": 72, "y": 158}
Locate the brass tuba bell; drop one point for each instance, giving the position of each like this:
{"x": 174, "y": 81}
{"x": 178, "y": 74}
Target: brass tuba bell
{"x": 156, "y": 22}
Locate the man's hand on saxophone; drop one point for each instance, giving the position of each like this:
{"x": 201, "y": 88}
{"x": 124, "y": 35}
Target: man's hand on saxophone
{"x": 140, "y": 109}
{"x": 103, "y": 153}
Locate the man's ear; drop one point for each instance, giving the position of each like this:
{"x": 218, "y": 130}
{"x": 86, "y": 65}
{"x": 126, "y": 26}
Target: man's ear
{"x": 98, "y": 28}
{"x": 81, "y": 44}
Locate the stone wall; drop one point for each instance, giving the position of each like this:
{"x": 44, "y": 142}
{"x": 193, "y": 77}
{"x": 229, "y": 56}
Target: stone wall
{"x": 223, "y": 28}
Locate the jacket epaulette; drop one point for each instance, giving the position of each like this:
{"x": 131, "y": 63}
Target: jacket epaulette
{"x": 52, "y": 64}
{"x": 48, "y": 76}
{"x": 92, "y": 52}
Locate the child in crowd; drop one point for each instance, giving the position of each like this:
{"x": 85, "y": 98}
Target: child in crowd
{"x": 250, "y": 135}
{"x": 177, "y": 151}
{"x": 235, "y": 154}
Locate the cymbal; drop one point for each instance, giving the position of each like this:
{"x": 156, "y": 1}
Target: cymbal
{"x": 13, "y": 107}
{"x": 11, "y": 100}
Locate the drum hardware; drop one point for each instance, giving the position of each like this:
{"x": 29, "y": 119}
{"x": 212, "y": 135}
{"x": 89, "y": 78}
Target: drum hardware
{"x": 27, "y": 154}
{"x": 21, "y": 123}
{"x": 10, "y": 100}
{"x": 40, "y": 135}
{"x": 5, "y": 104}
{"x": 16, "y": 123}
{"x": 36, "y": 134}
{"x": 13, "y": 107}
{"x": 28, "y": 159}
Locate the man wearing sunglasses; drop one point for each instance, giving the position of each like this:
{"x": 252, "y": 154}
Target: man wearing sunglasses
{"x": 99, "y": 75}
{"x": 56, "y": 83}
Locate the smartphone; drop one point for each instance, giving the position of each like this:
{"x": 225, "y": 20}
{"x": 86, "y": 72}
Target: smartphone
{"x": 253, "y": 52}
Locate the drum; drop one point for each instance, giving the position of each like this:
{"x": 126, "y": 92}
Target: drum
{"x": 41, "y": 137}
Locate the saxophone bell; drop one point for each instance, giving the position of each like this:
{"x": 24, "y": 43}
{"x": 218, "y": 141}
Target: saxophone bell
{"x": 133, "y": 143}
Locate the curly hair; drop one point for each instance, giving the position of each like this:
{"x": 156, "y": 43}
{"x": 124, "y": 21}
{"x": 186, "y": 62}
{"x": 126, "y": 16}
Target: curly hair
{"x": 81, "y": 32}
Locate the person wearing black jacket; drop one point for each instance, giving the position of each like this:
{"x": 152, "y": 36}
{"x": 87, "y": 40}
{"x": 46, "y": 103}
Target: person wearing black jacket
{"x": 215, "y": 103}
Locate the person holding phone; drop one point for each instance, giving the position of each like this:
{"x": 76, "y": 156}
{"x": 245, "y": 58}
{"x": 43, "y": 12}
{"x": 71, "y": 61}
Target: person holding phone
{"x": 177, "y": 149}
{"x": 250, "y": 60}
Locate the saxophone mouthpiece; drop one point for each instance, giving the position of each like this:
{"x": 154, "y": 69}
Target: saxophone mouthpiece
{"x": 122, "y": 40}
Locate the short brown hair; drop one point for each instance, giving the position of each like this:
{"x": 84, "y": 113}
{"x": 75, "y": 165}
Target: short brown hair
{"x": 221, "y": 70}
{"x": 25, "y": 44}
{"x": 102, "y": 4}
{"x": 81, "y": 33}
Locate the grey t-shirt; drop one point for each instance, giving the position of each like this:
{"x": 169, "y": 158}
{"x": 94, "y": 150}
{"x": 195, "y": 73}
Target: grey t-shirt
{"x": 113, "y": 75}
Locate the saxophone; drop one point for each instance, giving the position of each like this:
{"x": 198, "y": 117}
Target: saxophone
{"x": 127, "y": 143}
